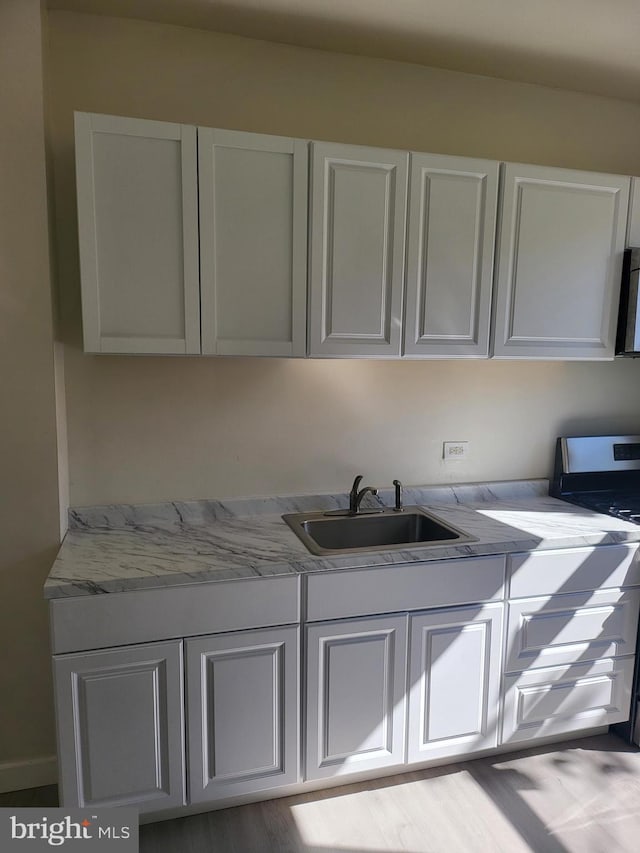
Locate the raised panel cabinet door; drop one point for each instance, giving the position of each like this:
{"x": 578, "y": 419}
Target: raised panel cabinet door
{"x": 454, "y": 681}
{"x": 243, "y": 712}
{"x": 355, "y": 695}
{"x": 138, "y": 234}
{"x": 358, "y": 215}
{"x": 450, "y": 244}
{"x": 253, "y": 243}
{"x": 121, "y": 727}
{"x": 561, "y": 699}
{"x": 559, "y": 262}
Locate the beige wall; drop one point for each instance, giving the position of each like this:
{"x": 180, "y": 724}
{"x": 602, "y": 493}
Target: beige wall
{"x": 143, "y": 429}
{"x": 29, "y": 526}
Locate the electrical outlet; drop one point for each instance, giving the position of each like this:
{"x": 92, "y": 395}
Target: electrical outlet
{"x": 455, "y": 451}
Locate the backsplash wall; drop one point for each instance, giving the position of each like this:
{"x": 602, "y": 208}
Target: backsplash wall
{"x": 156, "y": 428}
{"x": 144, "y": 429}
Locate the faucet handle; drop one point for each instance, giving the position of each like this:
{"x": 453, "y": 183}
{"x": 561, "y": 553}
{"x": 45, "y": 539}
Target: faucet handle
{"x": 398, "y": 485}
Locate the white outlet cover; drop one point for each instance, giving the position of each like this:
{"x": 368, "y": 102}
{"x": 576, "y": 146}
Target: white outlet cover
{"x": 455, "y": 451}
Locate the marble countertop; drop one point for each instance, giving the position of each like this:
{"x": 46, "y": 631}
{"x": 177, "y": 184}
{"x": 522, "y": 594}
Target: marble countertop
{"x": 126, "y": 547}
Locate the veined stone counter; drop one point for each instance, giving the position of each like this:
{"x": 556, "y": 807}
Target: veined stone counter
{"x": 127, "y": 547}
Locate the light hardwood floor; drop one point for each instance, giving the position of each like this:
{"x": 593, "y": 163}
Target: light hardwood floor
{"x": 582, "y": 797}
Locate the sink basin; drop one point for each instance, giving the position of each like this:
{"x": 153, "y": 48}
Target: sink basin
{"x": 330, "y": 533}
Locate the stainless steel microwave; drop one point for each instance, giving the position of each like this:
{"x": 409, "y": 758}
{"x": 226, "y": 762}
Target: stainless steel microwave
{"x": 628, "y": 337}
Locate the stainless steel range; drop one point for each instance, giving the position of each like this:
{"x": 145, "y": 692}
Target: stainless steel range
{"x": 602, "y": 473}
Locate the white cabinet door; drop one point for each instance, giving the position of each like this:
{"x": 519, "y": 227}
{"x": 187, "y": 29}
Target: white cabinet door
{"x": 358, "y": 212}
{"x": 355, "y": 695}
{"x": 138, "y": 234}
{"x": 451, "y": 235}
{"x": 253, "y": 243}
{"x": 243, "y": 712}
{"x": 559, "y": 263}
{"x": 120, "y": 727}
{"x": 561, "y": 699}
{"x": 454, "y": 681}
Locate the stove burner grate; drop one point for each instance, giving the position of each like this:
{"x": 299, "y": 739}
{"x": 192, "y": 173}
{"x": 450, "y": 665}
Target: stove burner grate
{"x": 627, "y": 507}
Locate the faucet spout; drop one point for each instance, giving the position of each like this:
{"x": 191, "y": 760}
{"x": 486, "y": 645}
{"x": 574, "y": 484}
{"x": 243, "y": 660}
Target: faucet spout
{"x": 362, "y": 493}
{"x": 355, "y": 496}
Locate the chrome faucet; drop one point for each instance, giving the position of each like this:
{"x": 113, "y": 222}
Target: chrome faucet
{"x": 355, "y": 496}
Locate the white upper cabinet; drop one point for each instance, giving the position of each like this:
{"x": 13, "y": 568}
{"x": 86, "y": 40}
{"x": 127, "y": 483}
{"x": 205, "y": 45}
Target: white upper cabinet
{"x": 181, "y": 228}
{"x": 253, "y": 243}
{"x": 451, "y": 233}
{"x": 194, "y": 240}
{"x": 357, "y": 250}
{"x": 559, "y": 261}
{"x": 138, "y": 234}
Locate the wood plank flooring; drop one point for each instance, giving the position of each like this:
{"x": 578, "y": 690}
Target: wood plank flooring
{"x": 583, "y": 797}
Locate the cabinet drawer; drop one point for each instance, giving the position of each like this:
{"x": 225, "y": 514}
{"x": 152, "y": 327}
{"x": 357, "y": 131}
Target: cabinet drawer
{"x": 415, "y": 586}
{"x": 562, "y": 699}
{"x": 560, "y": 629}
{"x": 572, "y": 570}
{"x": 121, "y": 618}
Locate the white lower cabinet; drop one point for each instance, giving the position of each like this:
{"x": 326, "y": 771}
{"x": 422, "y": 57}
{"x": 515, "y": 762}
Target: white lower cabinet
{"x": 243, "y": 717}
{"x": 357, "y": 688}
{"x": 355, "y": 695}
{"x": 571, "y": 640}
{"x": 564, "y": 699}
{"x": 454, "y": 681}
{"x": 120, "y": 727}
{"x": 408, "y": 685}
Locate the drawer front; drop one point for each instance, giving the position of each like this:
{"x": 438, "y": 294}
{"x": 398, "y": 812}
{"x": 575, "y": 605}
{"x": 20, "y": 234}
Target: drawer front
{"x": 572, "y": 570}
{"x": 415, "y": 586}
{"x": 567, "y": 699}
{"x": 122, "y": 618}
{"x": 560, "y": 629}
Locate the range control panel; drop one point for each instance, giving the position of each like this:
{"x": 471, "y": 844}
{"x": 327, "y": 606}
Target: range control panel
{"x": 623, "y": 452}
{"x": 581, "y": 454}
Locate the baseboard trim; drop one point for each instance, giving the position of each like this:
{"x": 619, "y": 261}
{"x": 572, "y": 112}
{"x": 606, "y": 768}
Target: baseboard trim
{"x": 30, "y": 773}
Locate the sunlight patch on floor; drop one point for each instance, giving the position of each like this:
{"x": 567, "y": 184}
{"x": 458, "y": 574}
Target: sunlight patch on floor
{"x": 449, "y": 812}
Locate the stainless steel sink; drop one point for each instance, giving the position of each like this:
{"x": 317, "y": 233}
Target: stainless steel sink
{"x": 332, "y": 533}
